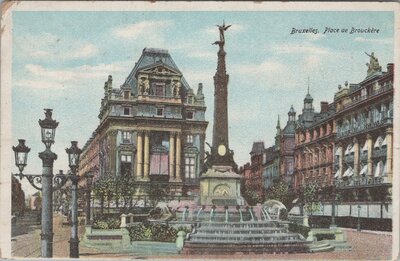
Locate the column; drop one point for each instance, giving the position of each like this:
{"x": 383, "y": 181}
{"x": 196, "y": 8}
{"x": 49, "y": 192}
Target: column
{"x": 146, "y": 166}
{"x": 389, "y": 153}
{"x": 369, "y": 159}
{"x": 171, "y": 156}
{"x": 341, "y": 152}
{"x": 139, "y": 161}
{"x": 178, "y": 158}
{"x": 356, "y": 158}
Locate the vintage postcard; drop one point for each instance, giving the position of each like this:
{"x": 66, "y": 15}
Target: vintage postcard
{"x": 183, "y": 130}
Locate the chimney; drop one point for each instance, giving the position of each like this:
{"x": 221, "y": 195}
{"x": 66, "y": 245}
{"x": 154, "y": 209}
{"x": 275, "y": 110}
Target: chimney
{"x": 390, "y": 67}
{"x": 324, "y": 106}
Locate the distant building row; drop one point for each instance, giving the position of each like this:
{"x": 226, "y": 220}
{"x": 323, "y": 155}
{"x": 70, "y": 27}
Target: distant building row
{"x": 349, "y": 143}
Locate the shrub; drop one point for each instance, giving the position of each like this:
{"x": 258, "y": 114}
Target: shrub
{"x": 103, "y": 222}
{"x": 153, "y": 232}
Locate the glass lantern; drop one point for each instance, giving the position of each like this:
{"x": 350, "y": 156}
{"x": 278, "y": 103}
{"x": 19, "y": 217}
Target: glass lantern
{"x": 73, "y": 155}
{"x": 48, "y": 126}
{"x": 21, "y": 155}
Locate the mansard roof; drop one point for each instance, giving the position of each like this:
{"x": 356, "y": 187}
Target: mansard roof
{"x": 151, "y": 57}
{"x": 258, "y": 148}
{"x": 290, "y": 128}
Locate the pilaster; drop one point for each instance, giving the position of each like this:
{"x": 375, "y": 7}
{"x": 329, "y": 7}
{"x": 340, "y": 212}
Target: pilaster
{"x": 178, "y": 158}
{"x": 146, "y": 166}
{"x": 139, "y": 161}
{"x": 389, "y": 154}
{"x": 356, "y": 157}
{"x": 172, "y": 156}
{"x": 369, "y": 159}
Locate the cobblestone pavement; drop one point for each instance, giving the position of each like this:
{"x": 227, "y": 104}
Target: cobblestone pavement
{"x": 365, "y": 246}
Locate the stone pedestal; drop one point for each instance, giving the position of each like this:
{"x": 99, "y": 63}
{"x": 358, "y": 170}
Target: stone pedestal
{"x": 220, "y": 186}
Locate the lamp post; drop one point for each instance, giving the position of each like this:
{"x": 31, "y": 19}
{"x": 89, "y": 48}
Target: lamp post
{"x": 73, "y": 158}
{"x": 44, "y": 181}
{"x": 47, "y": 182}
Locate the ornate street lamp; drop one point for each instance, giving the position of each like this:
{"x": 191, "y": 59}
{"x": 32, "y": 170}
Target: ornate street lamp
{"x": 21, "y": 156}
{"x": 73, "y": 157}
{"x": 46, "y": 182}
{"x": 48, "y": 126}
{"x": 358, "y": 218}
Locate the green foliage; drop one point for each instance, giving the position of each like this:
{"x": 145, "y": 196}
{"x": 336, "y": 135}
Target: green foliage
{"x": 281, "y": 191}
{"x": 158, "y": 193}
{"x": 106, "y": 223}
{"x": 152, "y": 232}
{"x": 310, "y": 196}
{"x": 252, "y": 197}
{"x": 295, "y": 228}
{"x": 185, "y": 229}
{"x": 325, "y": 236}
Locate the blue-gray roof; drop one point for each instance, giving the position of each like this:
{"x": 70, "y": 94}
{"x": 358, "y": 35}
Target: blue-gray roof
{"x": 152, "y": 56}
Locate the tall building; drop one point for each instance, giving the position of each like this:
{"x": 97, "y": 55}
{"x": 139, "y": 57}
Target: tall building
{"x": 364, "y": 140}
{"x": 286, "y": 148}
{"x": 314, "y": 144}
{"x": 152, "y": 128}
{"x": 253, "y": 178}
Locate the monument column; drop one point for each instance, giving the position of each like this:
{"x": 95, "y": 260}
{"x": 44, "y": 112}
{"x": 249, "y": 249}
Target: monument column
{"x": 356, "y": 157}
{"x": 146, "y": 155}
{"x": 171, "y": 156}
{"x": 178, "y": 158}
{"x": 389, "y": 153}
{"x": 139, "y": 162}
{"x": 369, "y": 159}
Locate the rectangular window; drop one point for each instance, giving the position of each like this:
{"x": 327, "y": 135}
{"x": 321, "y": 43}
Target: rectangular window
{"x": 126, "y": 137}
{"x": 189, "y": 138}
{"x": 127, "y": 111}
{"x": 126, "y": 165}
{"x": 126, "y": 95}
{"x": 190, "y": 167}
{"x": 189, "y": 115}
{"x": 159, "y": 89}
{"x": 160, "y": 111}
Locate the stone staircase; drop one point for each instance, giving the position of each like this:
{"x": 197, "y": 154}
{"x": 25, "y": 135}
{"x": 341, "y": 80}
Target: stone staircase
{"x": 244, "y": 237}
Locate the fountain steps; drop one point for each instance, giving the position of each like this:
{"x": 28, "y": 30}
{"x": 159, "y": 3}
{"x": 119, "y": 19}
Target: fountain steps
{"x": 245, "y": 248}
{"x": 251, "y": 230}
{"x": 246, "y": 237}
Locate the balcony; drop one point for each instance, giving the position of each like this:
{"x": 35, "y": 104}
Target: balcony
{"x": 360, "y": 99}
{"x": 362, "y": 129}
{"x": 360, "y": 182}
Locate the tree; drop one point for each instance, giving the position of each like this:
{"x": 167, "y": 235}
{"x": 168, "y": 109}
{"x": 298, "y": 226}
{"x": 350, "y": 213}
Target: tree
{"x": 158, "y": 193}
{"x": 281, "y": 191}
{"x": 125, "y": 190}
{"x": 310, "y": 197}
{"x": 252, "y": 197}
{"x": 104, "y": 190}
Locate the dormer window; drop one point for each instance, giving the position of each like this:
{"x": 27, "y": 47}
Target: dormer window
{"x": 190, "y": 99}
{"x": 159, "y": 89}
{"x": 126, "y": 95}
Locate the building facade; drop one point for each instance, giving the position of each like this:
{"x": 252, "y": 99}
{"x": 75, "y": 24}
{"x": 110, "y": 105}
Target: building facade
{"x": 314, "y": 145}
{"x": 151, "y": 129}
{"x": 287, "y": 147}
{"x": 364, "y": 141}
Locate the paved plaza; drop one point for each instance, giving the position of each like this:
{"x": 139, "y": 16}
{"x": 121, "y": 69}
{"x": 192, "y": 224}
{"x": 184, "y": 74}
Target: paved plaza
{"x": 367, "y": 245}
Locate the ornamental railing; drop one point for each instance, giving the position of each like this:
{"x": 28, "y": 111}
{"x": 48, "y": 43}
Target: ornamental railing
{"x": 360, "y": 181}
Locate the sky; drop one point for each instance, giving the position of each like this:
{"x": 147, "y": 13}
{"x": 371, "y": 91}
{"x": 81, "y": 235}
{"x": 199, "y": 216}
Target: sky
{"x": 62, "y": 59}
